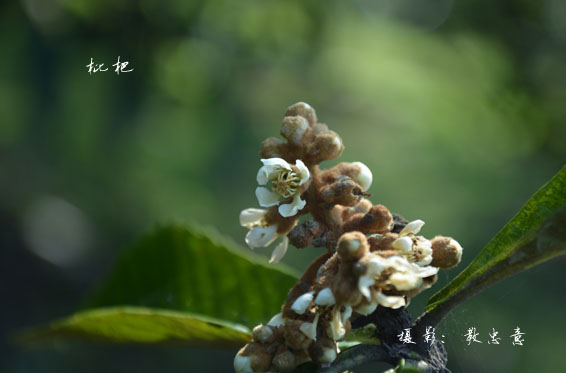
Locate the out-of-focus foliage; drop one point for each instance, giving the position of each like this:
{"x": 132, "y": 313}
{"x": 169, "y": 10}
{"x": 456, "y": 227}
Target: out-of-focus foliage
{"x": 142, "y": 325}
{"x": 179, "y": 269}
{"x": 456, "y": 106}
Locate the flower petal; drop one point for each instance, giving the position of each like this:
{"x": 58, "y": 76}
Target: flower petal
{"x": 251, "y": 217}
{"x": 266, "y": 197}
{"x": 276, "y": 320}
{"x": 325, "y": 297}
{"x": 275, "y": 163}
{"x": 309, "y": 328}
{"x": 346, "y": 314}
{"x": 405, "y": 281}
{"x": 303, "y": 171}
{"x": 261, "y": 236}
{"x": 413, "y": 227}
{"x": 335, "y": 328}
{"x": 364, "y": 283}
{"x": 291, "y": 209}
{"x": 279, "y": 251}
{"x": 392, "y": 301}
{"x": 366, "y": 308}
{"x": 262, "y": 175}
{"x": 301, "y": 303}
{"x": 403, "y": 244}
{"x": 375, "y": 265}
{"x": 365, "y": 176}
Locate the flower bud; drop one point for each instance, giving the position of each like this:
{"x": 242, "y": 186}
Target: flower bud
{"x": 377, "y": 220}
{"x": 363, "y": 175}
{"x": 303, "y": 234}
{"x": 284, "y": 361}
{"x": 382, "y": 242}
{"x": 271, "y": 148}
{"x": 304, "y": 110}
{"x": 446, "y": 252}
{"x": 362, "y": 207}
{"x": 294, "y": 338}
{"x": 323, "y": 351}
{"x": 242, "y": 364}
{"x": 344, "y": 191}
{"x": 294, "y": 129}
{"x": 253, "y": 357}
{"x": 352, "y": 246}
{"x": 262, "y": 334}
{"x": 325, "y": 146}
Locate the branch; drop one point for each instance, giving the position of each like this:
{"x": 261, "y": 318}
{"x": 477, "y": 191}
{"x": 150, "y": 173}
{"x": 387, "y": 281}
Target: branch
{"x": 358, "y": 355}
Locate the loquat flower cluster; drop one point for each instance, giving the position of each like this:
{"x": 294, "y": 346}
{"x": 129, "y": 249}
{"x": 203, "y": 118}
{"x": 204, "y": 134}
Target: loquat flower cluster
{"x": 374, "y": 258}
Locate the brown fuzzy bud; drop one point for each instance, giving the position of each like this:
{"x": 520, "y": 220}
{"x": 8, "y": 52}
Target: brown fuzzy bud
{"x": 303, "y": 234}
{"x": 259, "y": 358}
{"x": 284, "y": 360}
{"x": 446, "y": 252}
{"x": 357, "y": 171}
{"x": 294, "y": 337}
{"x": 344, "y": 191}
{"x": 325, "y": 146}
{"x": 352, "y": 246}
{"x": 362, "y": 207}
{"x": 304, "y": 110}
{"x": 294, "y": 129}
{"x": 271, "y": 148}
{"x": 327, "y": 272}
{"x": 263, "y": 334}
{"x": 301, "y": 357}
{"x": 323, "y": 351}
{"x": 376, "y": 220}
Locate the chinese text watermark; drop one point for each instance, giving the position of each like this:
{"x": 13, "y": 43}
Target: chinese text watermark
{"x": 471, "y": 336}
{"x": 119, "y": 67}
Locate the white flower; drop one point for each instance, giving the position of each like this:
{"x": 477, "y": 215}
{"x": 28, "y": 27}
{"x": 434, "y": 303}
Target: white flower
{"x": 407, "y": 276}
{"x": 403, "y": 276}
{"x": 285, "y": 182}
{"x": 422, "y": 251}
{"x": 262, "y": 234}
{"x": 417, "y": 249}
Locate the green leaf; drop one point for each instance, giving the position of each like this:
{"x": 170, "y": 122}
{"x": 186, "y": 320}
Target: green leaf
{"x": 534, "y": 235}
{"x": 142, "y": 325}
{"x": 185, "y": 270}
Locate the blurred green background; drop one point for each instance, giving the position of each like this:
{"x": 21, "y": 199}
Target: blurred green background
{"x": 458, "y": 108}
